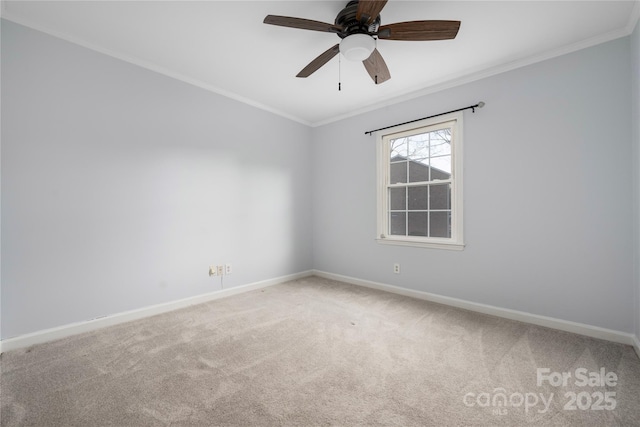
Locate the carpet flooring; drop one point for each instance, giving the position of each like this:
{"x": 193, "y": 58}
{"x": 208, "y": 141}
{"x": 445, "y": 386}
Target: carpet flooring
{"x": 318, "y": 352}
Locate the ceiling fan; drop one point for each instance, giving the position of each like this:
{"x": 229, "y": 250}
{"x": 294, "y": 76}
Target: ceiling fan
{"x": 358, "y": 25}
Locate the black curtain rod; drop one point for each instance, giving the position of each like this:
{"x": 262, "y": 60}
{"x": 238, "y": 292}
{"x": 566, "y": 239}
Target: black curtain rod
{"x": 472, "y": 107}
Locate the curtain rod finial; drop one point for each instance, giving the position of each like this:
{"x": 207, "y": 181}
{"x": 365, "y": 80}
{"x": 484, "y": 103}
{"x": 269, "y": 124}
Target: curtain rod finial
{"x": 480, "y": 104}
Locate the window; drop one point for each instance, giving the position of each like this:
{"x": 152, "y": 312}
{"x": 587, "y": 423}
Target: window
{"x": 420, "y": 183}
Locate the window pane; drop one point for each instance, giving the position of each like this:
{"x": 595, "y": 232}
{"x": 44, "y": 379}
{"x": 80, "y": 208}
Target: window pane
{"x": 397, "y": 224}
{"x": 417, "y": 223}
{"x": 419, "y": 171}
{"x": 417, "y": 198}
{"x": 398, "y": 173}
{"x": 441, "y": 142}
{"x": 440, "y": 224}
{"x": 398, "y": 198}
{"x": 441, "y": 167}
{"x": 440, "y": 197}
{"x": 418, "y": 147}
{"x": 398, "y": 149}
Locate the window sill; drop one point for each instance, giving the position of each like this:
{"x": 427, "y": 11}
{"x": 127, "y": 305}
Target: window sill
{"x": 422, "y": 244}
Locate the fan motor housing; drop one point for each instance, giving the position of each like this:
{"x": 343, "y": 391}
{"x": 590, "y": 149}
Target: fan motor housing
{"x": 347, "y": 20}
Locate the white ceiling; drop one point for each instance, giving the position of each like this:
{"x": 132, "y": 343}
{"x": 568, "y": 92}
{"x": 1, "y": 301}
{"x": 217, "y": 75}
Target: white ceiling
{"x": 223, "y": 46}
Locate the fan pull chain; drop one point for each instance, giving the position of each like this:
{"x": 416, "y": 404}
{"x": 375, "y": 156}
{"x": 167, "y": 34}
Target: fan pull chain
{"x": 339, "y": 73}
{"x": 376, "y": 48}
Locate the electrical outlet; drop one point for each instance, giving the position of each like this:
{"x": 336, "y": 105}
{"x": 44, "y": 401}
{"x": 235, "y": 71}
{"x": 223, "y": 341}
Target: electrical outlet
{"x": 221, "y": 270}
{"x": 228, "y": 269}
{"x": 396, "y": 268}
{"x": 212, "y": 270}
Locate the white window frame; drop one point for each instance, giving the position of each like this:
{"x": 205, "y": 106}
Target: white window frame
{"x": 456, "y": 242}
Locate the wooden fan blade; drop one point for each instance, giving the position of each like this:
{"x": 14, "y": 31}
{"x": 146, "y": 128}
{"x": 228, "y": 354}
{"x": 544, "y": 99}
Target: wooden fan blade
{"x": 304, "y": 24}
{"x": 369, "y": 10}
{"x": 319, "y": 61}
{"x": 420, "y": 30}
{"x": 376, "y": 67}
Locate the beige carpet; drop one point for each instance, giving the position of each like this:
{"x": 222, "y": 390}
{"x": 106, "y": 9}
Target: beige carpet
{"x": 319, "y": 352}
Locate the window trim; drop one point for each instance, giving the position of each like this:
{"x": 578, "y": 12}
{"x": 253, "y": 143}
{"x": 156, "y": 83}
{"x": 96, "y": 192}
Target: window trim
{"x": 456, "y": 242}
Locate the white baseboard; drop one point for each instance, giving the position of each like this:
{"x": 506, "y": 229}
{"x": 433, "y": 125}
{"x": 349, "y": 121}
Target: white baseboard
{"x": 127, "y": 316}
{"x": 115, "y": 319}
{"x": 549, "y": 322}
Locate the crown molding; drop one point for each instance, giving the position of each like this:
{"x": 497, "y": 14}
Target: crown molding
{"x": 149, "y": 66}
{"x": 458, "y": 79}
{"x": 482, "y": 73}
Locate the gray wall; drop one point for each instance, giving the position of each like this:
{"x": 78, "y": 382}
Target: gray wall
{"x": 547, "y": 185}
{"x": 120, "y": 186}
{"x": 635, "y": 119}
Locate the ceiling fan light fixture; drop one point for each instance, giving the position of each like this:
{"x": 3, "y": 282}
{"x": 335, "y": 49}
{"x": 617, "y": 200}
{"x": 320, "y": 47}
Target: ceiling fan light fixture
{"x": 357, "y": 47}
